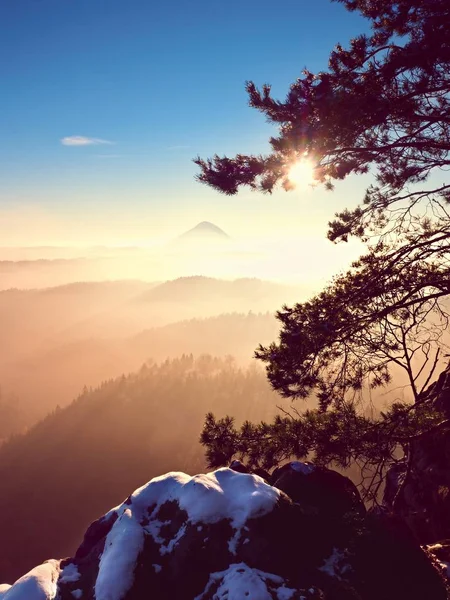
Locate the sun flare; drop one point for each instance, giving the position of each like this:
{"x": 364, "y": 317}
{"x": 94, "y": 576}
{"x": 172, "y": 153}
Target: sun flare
{"x": 301, "y": 173}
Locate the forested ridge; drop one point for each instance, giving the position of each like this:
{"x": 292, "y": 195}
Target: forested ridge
{"x": 56, "y": 373}
{"x": 81, "y": 460}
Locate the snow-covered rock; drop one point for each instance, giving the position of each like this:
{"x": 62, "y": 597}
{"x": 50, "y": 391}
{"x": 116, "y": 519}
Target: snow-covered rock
{"x": 4, "y": 587}
{"x": 230, "y": 535}
{"x": 39, "y": 584}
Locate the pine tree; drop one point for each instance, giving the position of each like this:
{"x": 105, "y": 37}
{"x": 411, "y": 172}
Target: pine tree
{"x": 383, "y": 106}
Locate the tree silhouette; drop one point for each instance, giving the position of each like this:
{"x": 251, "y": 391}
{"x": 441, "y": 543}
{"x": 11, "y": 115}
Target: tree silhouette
{"x": 383, "y": 106}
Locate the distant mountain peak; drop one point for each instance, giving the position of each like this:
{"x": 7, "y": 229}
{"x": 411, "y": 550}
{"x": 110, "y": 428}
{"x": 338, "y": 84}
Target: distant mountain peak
{"x": 203, "y": 229}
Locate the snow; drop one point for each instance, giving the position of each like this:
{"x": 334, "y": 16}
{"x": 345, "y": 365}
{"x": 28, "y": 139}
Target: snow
{"x": 158, "y": 568}
{"x": 38, "y": 584}
{"x": 77, "y": 594}
{"x": 222, "y": 494}
{"x": 302, "y": 467}
{"x": 166, "y": 549}
{"x": 240, "y": 581}
{"x": 232, "y": 544}
{"x": 154, "y": 529}
{"x": 333, "y": 565}
{"x": 69, "y": 574}
{"x": 4, "y": 587}
{"x": 284, "y": 593}
{"x": 122, "y": 547}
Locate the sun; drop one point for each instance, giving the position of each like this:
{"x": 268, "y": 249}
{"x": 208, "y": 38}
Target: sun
{"x": 301, "y": 173}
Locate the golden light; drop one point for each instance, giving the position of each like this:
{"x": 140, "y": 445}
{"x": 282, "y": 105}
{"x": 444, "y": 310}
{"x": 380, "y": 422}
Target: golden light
{"x": 301, "y": 174}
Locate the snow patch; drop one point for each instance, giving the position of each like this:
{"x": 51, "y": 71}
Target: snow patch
{"x": 77, "y": 594}
{"x": 240, "y": 581}
{"x": 333, "y": 565}
{"x": 69, "y": 574}
{"x": 157, "y": 568}
{"x": 170, "y": 546}
{"x": 302, "y": 467}
{"x": 232, "y": 544}
{"x": 154, "y": 529}
{"x": 222, "y": 494}
{"x": 122, "y": 547}
{"x": 284, "y": 593}
{"x": 38, "y": 584}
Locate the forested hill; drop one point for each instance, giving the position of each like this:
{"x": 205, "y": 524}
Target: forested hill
{"x": 54, "y": 374}
{"x": 81, "y": 460}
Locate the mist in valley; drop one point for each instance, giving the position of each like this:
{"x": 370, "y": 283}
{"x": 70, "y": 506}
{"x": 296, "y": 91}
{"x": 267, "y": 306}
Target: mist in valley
{"x": 74, "y": 317}
{"x": 108, "y": 374}
{"x": 110, "y": 359}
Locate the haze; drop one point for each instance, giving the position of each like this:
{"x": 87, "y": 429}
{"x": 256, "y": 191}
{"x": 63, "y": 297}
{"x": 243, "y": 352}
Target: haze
{"x": 132, "y": 298}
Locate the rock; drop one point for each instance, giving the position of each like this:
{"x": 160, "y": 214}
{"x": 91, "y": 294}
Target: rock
{"x": 96, "y": 534}
{"x": 388, "y": 547}
{"x": 239, "y": 467}
{"x": 262, "y": 473}
{"x": 231, "y": 535}
{"x": 319, "y": 488}
{"x": 423, "y": 500}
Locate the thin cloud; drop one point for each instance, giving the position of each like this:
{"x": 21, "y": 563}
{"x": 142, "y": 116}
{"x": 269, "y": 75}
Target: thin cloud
{"x": 81, "y": 140}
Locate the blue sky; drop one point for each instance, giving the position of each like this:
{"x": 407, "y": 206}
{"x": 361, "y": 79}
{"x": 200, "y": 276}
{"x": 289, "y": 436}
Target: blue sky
{"x": 162, "y": 82}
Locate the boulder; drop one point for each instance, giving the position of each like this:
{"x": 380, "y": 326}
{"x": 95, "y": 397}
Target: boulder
{"x": 422, "y": 498}
{"x": 331, "y": 494}
{"x": 230, "y": 535}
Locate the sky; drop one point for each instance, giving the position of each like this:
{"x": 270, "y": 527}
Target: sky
{"x": 104, "y": 104}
